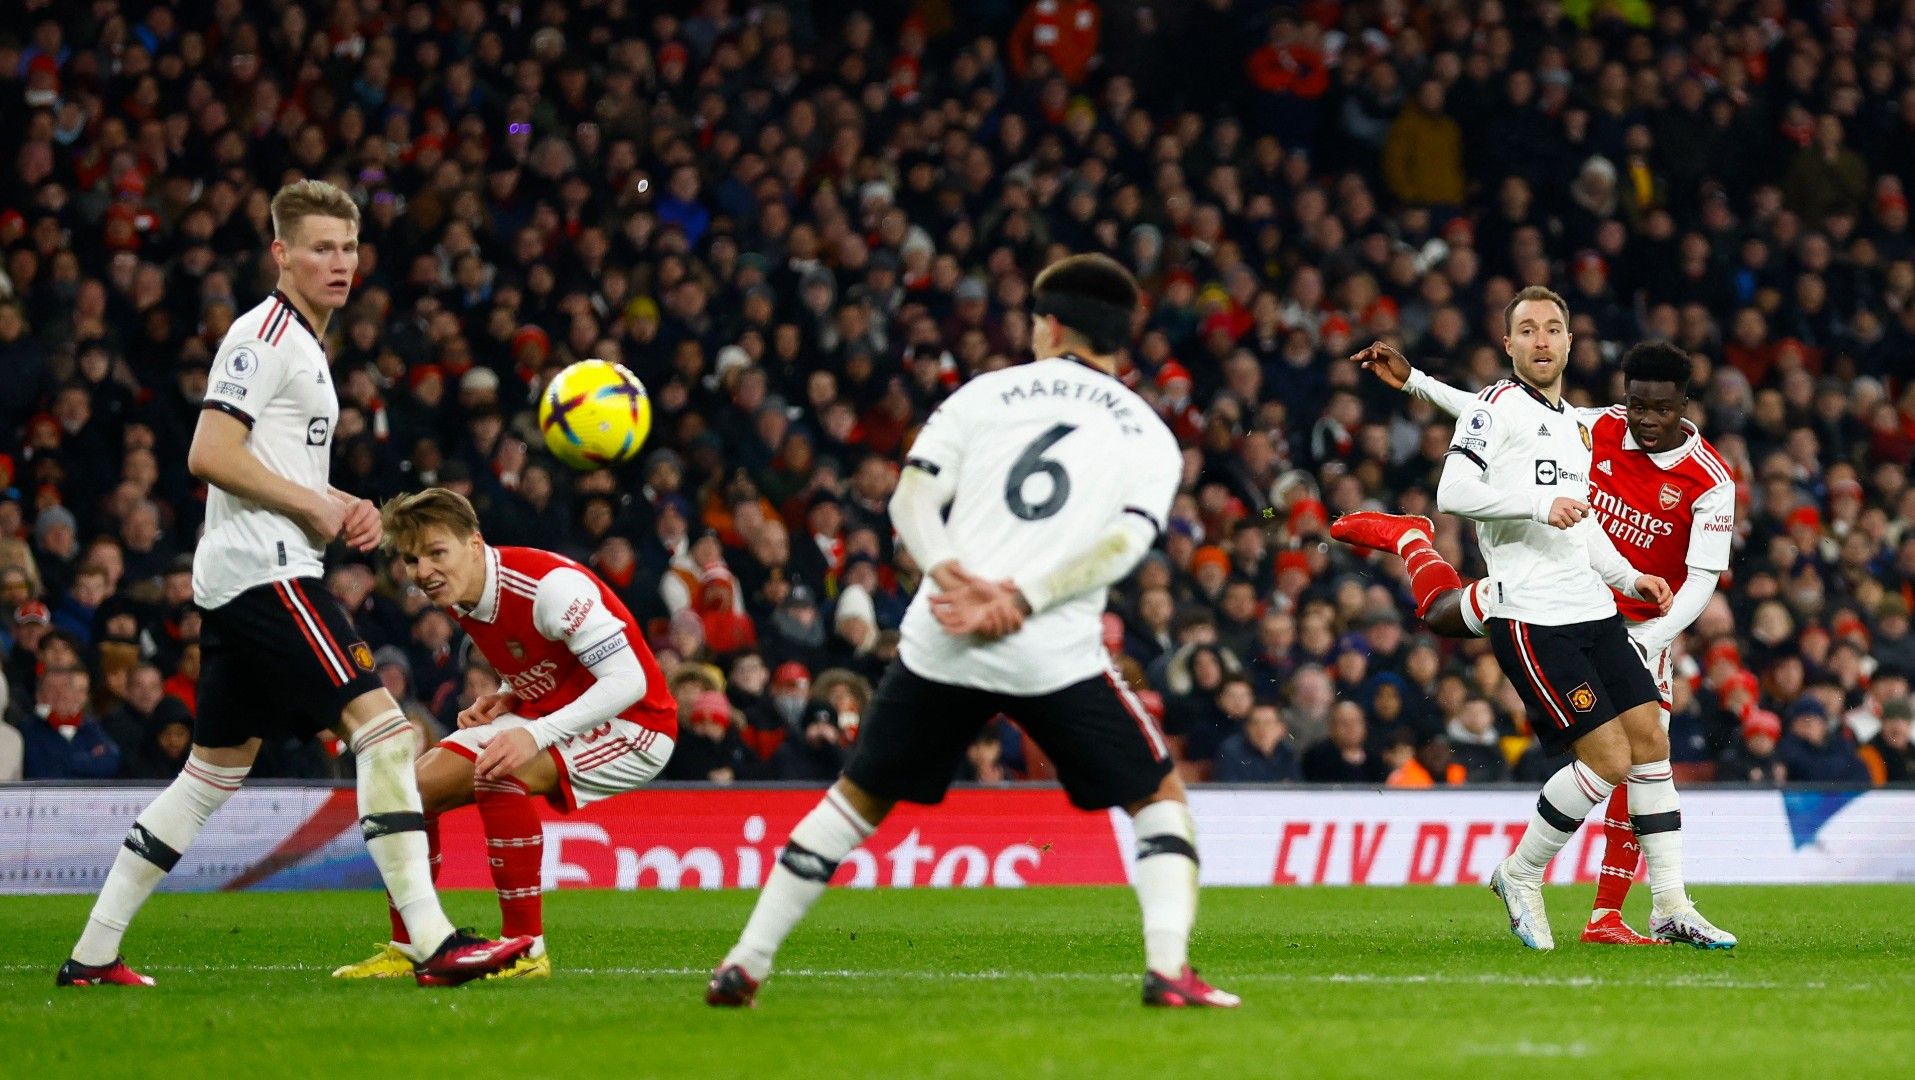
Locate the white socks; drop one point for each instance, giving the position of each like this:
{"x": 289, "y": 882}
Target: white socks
{"x": 1166, "y": 881}
{"x": 1567, "y": 799}
{"x": 1656, "y": 812}
{"x": 162, "y": 831}
{"x": 391, "y": 817}
{"x": 1473, "y": 605}
{"x": 817, "y": 845}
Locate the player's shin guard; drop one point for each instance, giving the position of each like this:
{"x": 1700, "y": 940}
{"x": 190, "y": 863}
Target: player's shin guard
{"x": 1620, "y": 853}
{"x": 392, "y": 819}
{"x": 819, "y": 842}
{"x": 159, "y": 835}
{"x": 515, "y": 847}
{"x": 1567, "y": 799}
{"x": 1166, "y": 879}
{"x": 1656, "y": 811}
{"x": 433, "y": 859}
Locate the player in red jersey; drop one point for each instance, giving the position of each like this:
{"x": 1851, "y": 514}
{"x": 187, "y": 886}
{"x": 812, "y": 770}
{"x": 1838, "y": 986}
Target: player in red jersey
{"x": 1667, "y": 500}
{"x": 582, "y": 712}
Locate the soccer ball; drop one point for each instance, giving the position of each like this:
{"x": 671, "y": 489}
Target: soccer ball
{"x": 595, "y": 413}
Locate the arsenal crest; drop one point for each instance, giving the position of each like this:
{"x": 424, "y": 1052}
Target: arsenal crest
{"x": 517, "y": 650}
{"x": 1588, "y": 443}
{"x": 1582, "y": 699}
{"x": 1671, "y": 495}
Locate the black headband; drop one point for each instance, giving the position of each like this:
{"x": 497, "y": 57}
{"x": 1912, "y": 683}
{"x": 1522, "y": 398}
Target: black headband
{"x": 1106, "y": 324}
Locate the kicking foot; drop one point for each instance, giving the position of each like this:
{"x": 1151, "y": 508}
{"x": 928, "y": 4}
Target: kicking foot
{"x": 74, "y": 973}
{"x": 1524, "y": 903}
{"x": 390, "y": 962}
{"x": 1688, "y": 926}
{"x": 730, "y": 987}
{"x": 465, "y": 956}
{"x": 1185, "y": 991}
{"x": 1382, "y": 532}
{"x": 1611, "y": 930}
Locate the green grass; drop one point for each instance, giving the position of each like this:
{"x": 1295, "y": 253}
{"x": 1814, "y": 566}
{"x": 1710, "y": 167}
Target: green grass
{"x": 1411, "y": 982}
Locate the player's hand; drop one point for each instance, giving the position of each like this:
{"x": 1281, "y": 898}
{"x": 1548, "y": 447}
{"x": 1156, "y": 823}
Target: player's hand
{"x": 1565, "y": 512}
{"x": 1656, "y": 591}
{"x": 506, "y": 753}
{"x": 1387, "y": 364}
{"x": 976, "y": 606}
{"x": 326, "y": 518}
{"x": 487, "y": 708}
{"x": 362, "y": 525}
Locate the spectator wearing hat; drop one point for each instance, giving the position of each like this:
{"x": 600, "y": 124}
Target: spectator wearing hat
{"x": 56, "y": 549}
{"x": 797, "y": 631}
{"x": 1754, "y": 759}
{"x": 816, "y": 754}
{"x": 709, "y": 748}
{"x": 68, "y": 742}
{"x": 1890, "y": 756}
{"x": 1813, "y": 754}
{"x": 32, "y": 622}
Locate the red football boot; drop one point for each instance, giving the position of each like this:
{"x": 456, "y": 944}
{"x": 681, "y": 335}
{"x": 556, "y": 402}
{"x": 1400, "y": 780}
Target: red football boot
{"x": 1611, "y": 930}
{"x": 1185, "y": 991}
{"x": 465, "y": 956}
{"x": 74, "y": 973}
{"x": 1381, "y": 532}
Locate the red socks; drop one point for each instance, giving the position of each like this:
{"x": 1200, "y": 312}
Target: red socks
{"x": 515, "y": 846}
{"x": 399, "y": 934}
{"x": 1621, "y": 854}
{"x": 1430, "y": 576}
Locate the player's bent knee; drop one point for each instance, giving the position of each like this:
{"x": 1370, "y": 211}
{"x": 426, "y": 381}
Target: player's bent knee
{"x": 229, "y": 757}
{"x": 872, "y": 808}
{"x": 367, "y": 707}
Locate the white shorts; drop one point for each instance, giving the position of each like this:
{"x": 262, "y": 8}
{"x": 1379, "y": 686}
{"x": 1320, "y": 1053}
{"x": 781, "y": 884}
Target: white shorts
{"x": 1661, "y": 667}
{"x": 611, "y": 759}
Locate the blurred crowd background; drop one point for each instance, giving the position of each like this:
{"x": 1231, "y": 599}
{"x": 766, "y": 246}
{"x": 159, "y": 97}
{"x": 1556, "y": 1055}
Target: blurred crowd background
{"x": 804, "y": 223}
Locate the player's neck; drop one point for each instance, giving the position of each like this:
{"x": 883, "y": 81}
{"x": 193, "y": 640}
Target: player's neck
{"x": 316, "y": 317}
{"x": 1105, "y": 364}
{"x": 1553, "y": 393}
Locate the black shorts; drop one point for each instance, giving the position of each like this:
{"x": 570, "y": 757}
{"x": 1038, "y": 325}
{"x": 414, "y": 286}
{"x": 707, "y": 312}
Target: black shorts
{"x": 1107, "y": 750}
{"x": 1573, "y": 679}
{"x": 278, "y": 661}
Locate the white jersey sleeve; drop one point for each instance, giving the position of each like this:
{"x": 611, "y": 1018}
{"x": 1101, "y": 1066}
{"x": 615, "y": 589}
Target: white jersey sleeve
{"x": 246, "y": 374}
{"x": 1463, "y": 490}
{"x": 567, "y": 608}
{"x": 1712, "y": 529}
{"x": 1439, "y": 393}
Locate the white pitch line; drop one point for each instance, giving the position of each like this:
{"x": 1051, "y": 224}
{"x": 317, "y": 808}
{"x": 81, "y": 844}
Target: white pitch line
{"x": 1686, "y": 982}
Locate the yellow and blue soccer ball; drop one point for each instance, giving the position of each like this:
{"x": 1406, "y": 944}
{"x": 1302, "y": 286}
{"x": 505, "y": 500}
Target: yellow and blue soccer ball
{"x": 595, "y": 413}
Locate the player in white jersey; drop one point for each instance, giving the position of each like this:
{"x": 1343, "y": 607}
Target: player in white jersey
{"x": 1059, "y": 479}
{"x": 279, "y": 656}
{"x": 1519, "y": 466}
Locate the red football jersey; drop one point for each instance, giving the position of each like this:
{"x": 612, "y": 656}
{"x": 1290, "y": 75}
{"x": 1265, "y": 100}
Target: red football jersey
{"x": 1666, "y": 512}
{"x": 526, "y": 618}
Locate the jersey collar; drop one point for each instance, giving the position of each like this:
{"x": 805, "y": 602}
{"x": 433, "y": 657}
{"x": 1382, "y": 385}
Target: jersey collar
{"x": 1540, "y": 399}
{"x": 299, "y": 318}
{"x": 487, "y": 609}
{"x": 1667, "y": 459}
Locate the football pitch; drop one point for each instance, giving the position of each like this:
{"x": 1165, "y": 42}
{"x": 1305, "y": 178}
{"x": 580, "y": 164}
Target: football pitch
{"x": 1385, "y": 982}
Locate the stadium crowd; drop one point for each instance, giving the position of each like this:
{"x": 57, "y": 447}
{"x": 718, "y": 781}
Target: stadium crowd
{"x": 803, "y": 224}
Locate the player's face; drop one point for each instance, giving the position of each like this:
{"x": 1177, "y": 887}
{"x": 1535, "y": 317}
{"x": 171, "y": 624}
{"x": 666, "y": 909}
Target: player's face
{"x": 320, "y": 258}
{"x": 448, "y": 568}
{"x": 1538, "y": 343}
{"x": 1655, "y": 414}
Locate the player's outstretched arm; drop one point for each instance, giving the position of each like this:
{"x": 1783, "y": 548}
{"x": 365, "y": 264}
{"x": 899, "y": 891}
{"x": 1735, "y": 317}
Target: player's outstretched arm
{"x": 220, "y": 457}
{"x": 1394, "y": 370}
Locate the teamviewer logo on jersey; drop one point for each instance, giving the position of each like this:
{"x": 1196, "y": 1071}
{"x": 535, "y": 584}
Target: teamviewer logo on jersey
{"x": 1545, "y": 471}
{"x": 316, "y": 431}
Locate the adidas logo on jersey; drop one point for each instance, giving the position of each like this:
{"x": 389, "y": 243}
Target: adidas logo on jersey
{"x": 1604, "y": 467}
{"x": 1543, "y": 431}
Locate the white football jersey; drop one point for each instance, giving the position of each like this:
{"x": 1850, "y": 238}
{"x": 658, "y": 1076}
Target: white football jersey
{"x": 272, "y": 374}
{"x": 1046, "y": 458}
{"x": 1532, "y": 450}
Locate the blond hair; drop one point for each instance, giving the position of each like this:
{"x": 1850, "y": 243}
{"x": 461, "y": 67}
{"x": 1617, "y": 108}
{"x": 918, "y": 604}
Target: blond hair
{"x": 405, "y": 517}
{"x": 310, "y": 198}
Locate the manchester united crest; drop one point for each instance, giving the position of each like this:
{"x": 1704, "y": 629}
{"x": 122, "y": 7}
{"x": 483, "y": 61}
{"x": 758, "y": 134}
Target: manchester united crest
{"x": 362, "y": 655}
{"x": 1588, "y": 443}
{"x": 1671, "y": 495}
{"x": 1582, "y": 699}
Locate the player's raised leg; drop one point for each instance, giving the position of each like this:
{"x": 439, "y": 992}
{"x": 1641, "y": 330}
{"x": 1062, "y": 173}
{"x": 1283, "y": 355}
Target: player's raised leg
{"x": 153, "y": 846}
{"x": 845, "y": 818}
{"x": 1447, "y": 604}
